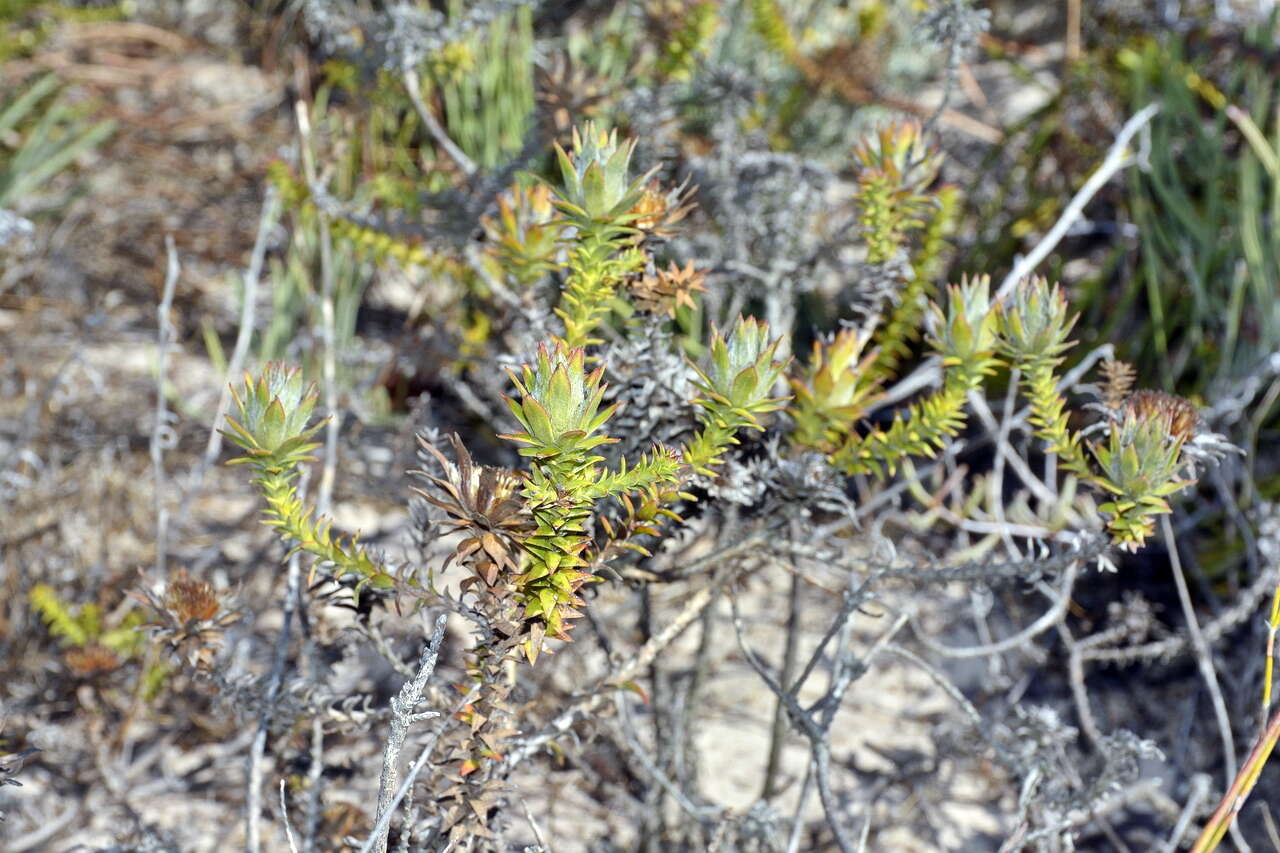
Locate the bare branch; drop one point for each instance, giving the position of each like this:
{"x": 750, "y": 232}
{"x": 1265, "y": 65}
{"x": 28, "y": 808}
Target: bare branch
{"x": 403, "y": 707}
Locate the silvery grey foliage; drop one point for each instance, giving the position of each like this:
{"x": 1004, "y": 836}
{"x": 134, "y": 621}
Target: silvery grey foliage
{"x": 778, "y": 484}
{"x": 151, "y": 843}
{"x": 647, "y": 374}
{"x": 769, "y": 207}
{"x": 806, "y": 484}
{"x": 399, "y": 36}
{"x": 13, "y": 229}
{"x": 1059, "y": 787}
{"x": 869, "y": 287}
{"x": 956, "y": 22}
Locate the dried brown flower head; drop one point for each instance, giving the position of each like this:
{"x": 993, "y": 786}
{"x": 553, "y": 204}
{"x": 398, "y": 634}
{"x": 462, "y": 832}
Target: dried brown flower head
{"x": 664, "y": 292}
{"x": 658, "y": 209}
{"x": 482, "y": 500}
{"x": 1180, "y": 415}
{"x": 90, "y": 660}
{"x": 189, "y": 617}
{"x": 188, "y": 599}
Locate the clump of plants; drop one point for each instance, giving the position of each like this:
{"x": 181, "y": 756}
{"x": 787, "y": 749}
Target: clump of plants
{"x": 533, "y": 538}
{"x": 695, "y": 468}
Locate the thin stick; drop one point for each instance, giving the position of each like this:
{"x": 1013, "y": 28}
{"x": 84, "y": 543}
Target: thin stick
{"x": 637, "y": 663}
{"x": 533, "y": 825}
{"x": 284, "y": 814}
{"x": 244, "y": 335}
{"x": 383, "y": 826}
{"x": 1273, "y": 625}
{"x": 866, "y": 831}
{"x": 1204, "y": 660}
{"x": 819, "y": 737}
{"x": 253, "y": 798}
{"x": 1050, "y": 618}
{"x": 797, "y": 823}
{"x": 939, "y": 679}
{"x": 627, "y": 728}
{"x": 778, "y": 735}
{"x": 1073, "y": 40}
{"x": 1199, "y": 790}
{"x": 161, "y": 433}
{"x": 1006, "y": 453}
{"x": 1117, "y": 158}
{"x": 1171, "y": 647}
{"x": 1233, "y": 801}
{"x": 456, "y": 154}
{"x": 403, "y": 707}
{"x": 329, "y": 365}
{"x": 1075, "y": 675}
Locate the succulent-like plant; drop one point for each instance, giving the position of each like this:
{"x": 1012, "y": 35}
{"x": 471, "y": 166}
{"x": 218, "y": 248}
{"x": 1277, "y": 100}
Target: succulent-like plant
{"x": 835, "y": 391}
{"x": 272, "y": 428}
{"x": 598, "y": 198}
{"x": 1139, "y": 462}
{"x": 274, "y": 411}
{"x": 964, "y": 332}
{"x": 559, "y": 408}
{"x": 894, "y": 167}
{"x": 964, "y": 336}
{"x": 1035, "y": 325}
{"x": 559, "y": 405}
{"x": 526, "y": 233}
{"x": 595, "y": 180}
{"x": 736, "y": 388}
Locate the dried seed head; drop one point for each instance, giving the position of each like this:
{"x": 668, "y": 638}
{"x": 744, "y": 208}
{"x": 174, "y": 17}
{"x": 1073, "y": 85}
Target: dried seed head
{"x": 1117, "y": 382}
{"x": 1181, "y": 417}
{"x": 658, "y": 209}
{"x": 189, "y": 617}
{"x": 666, "y": 291}
{"x": 188, "y": 599}
{"x": 91, "y": 660}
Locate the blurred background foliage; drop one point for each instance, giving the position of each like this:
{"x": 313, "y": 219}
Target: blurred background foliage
{"x": 1176, "y": 263}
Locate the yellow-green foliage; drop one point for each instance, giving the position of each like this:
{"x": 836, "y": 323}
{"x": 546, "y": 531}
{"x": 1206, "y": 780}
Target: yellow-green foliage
{"x": 369, "y": 242}
{"x": 596, "y": 195}
{"x": 486, "y": 86}
{"x": 526, "y": 234}
{"x": 559, "y": 409}
{"x": 835, "y": 391}
{"x": 1140, "y": 461}
{"x": 690, "y": 41}
{"x": 770, "y": 23}
{"x": 735, "y": 389}
{"x": 894, "y": 338}
{"x": 26, "y": 24}
{"x": 894, "y": 168}
{"x": 82, "y": 626}
{"x": 273, "y": 430}
{"x": 1034, "y": 326}
{"x": 965, "y": 338}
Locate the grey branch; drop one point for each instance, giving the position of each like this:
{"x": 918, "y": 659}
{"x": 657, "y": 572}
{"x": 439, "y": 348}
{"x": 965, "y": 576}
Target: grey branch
{"x": 404, "y": 715}
{"x": 1118, "y": 157}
